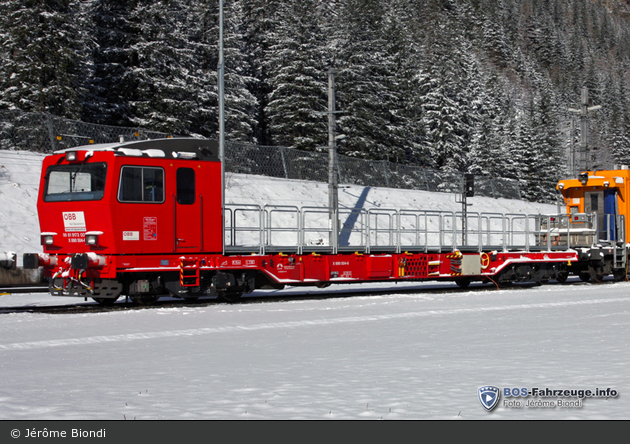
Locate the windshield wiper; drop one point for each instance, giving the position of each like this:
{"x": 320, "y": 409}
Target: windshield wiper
{"x": 73, "y": 176}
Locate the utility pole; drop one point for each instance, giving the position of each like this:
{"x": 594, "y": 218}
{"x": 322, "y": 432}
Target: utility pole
{"x": 333, "y": 186}
{"x": 583, "y": 161}
{"x": 221, "y": 91}
{"x": 572, "y": 158}
{"x": 333, "y": 165}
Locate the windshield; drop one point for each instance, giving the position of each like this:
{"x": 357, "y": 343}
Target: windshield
{"x": 85, "y": 181}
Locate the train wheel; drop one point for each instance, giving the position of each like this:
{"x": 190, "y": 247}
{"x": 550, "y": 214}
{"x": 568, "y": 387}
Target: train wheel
{"x": 562, "y": 276}
{"x": 229, "y": 296}
{"x": 462, "y": 282}
{"x": 105, "y": 301}
{"x": 145, "y": 300}
{"x": 585, "y": 276}
{"x": 597, "y": 275}
{"x": 620, "y": 274}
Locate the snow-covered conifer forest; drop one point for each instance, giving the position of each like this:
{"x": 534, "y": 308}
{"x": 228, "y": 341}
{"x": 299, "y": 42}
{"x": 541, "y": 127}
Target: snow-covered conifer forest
{"x": 480, "y": 86}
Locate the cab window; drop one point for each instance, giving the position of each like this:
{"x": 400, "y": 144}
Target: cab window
{"x": 141, "y": 184}
{"x": 85, "y": 181}
{"x": 185, "y": 186}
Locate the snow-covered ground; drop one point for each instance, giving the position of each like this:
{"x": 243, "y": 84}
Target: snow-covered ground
{"x": 400, "y": 355}
{"x": 394, "y": 356}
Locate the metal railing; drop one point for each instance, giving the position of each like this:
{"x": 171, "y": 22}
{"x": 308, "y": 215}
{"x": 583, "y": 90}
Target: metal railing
{"x": 584, "y": 229}
{"x": 289, "y": 229}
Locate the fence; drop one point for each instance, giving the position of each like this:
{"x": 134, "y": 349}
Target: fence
{"x": 45, "y": 133}
{"x": 307, "y": 165}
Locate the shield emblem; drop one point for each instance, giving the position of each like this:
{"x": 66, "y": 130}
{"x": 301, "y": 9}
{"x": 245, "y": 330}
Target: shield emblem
{"x": 489, "y": 396}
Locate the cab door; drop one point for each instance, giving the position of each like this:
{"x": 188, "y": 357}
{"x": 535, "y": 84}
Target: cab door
{"x": 610, "y": 212}
{"x": 187, "y": 209}
{"x": 604, "y": 203}
{"x": 594, "y": 203}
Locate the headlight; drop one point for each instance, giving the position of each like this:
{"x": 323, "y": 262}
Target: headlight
{"x": 91, "y": 237}
{"x": 48, "y": 238}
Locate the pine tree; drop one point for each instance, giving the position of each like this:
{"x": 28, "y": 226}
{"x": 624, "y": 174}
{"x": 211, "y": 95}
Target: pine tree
{"x": 545, "y": 149}
{"x": 447, "y": 122}
{"x": 112, "y": 85}
{"x": 297, "y": 78}
{"x": 616, "y": 139}
{"x": 442, "y": 125}
{"x": 201, "y": 27}
{"x": 366, "y": 76}
{"x": 405, "y": 65}
{"x": 486, "y": 155}
{"x": 45, "y": 56}
{"x": 494, "y": 41}
{"x": 418, "y": 84}
{"x": 258, "y": 22}
{"x": 202, "y": 30}
{"x": 162, "y": 99}
{"x": 523, "y": 144}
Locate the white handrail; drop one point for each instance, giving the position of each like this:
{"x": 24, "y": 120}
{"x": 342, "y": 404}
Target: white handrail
{"x": 290, "y": 228}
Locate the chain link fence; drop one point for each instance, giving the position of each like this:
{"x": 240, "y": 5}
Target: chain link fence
{"x": 290, "y": 163}
{"x": 45, "y": 133}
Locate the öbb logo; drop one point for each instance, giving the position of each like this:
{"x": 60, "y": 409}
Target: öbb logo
{"x": 515, "y": 392}
{"x": 74, "y": 220}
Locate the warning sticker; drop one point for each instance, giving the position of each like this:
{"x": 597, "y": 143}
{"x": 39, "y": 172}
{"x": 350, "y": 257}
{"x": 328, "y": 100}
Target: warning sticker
{"x": 150, "y": 228}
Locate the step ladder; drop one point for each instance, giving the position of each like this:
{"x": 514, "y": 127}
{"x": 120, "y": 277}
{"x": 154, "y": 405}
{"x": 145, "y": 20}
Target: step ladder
{"x": 620, "y": 256}
{"x": 189, "y": 272}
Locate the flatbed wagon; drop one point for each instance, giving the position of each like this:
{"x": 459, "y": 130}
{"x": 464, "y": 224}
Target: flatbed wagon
{"x": 145, "y": 219}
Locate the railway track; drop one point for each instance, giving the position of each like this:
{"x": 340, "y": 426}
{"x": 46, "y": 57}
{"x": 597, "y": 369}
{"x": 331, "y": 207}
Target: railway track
{"x": 23, "y": 288}
{"x": 125, "y": 304}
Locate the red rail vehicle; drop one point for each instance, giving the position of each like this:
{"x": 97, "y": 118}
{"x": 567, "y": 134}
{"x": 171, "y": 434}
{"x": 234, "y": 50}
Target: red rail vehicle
{"x": 144, "y": 219}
